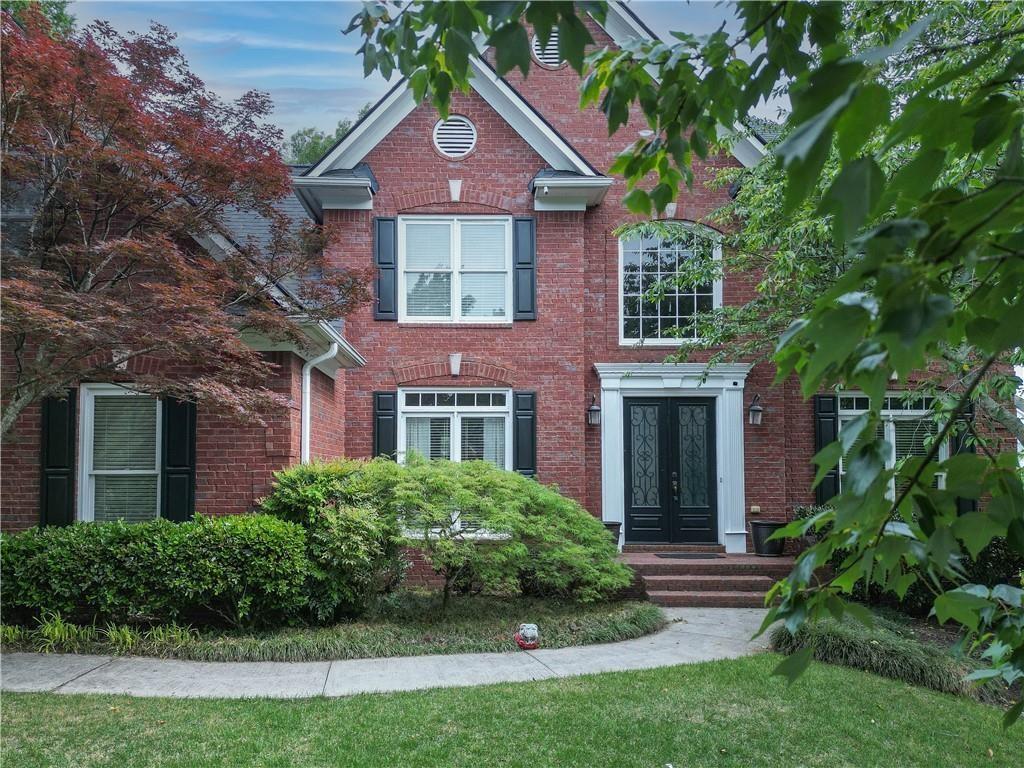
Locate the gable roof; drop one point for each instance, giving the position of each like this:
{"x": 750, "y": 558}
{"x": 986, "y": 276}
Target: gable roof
{"x": 621, "y": 24}
{"x": 398, "y": 103}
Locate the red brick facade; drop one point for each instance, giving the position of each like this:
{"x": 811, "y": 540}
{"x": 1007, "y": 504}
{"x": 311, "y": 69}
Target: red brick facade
{"x": 577, "y": 323}
{"x": 234, "y": 462}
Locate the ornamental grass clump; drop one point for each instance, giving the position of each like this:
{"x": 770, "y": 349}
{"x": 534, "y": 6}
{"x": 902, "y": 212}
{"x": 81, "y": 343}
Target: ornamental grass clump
{"x": 881, "y": 649}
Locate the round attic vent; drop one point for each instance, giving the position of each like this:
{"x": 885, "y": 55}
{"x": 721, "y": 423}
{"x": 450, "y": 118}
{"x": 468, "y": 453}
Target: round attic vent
{"x": 548, "y": 55}
{"x": 455, "y": 137}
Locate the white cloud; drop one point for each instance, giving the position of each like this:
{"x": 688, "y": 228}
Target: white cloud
{"x": 250, "y": 40}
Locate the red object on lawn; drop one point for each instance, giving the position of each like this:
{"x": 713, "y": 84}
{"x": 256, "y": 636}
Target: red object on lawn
{"x": 527, "y": 637}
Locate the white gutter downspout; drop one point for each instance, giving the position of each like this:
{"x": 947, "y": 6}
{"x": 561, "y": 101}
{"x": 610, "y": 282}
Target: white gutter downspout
{"x": 307, "y": 397}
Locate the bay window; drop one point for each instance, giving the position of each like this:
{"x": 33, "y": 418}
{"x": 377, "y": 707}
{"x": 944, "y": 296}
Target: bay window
{"x": 455, "y": 269}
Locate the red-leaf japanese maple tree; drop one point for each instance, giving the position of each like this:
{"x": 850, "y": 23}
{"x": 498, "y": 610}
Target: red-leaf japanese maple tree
{"x": 117, "y": 163}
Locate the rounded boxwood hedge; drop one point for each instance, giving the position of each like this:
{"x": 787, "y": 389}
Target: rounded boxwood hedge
{"x": 242, "y": 570}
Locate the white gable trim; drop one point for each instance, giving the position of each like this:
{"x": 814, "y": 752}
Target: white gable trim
{"x": 399, "y": 103}
{"x": 621, "y": 25}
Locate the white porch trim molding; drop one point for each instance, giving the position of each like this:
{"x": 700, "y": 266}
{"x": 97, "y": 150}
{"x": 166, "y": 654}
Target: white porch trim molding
{"x": 723, "y": 382}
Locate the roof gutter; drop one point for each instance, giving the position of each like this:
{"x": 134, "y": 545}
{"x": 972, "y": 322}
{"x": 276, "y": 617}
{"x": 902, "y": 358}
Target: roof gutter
{"x": 307, "y": 396}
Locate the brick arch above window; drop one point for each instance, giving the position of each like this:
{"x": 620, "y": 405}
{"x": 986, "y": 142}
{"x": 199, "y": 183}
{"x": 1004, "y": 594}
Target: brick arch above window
{"x": 440, "y": 194}
{"x": 471, "y": 370}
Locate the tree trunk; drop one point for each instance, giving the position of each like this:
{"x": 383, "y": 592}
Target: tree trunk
{"x": 12, "y": 410}
{"x": 1002, "y": 416}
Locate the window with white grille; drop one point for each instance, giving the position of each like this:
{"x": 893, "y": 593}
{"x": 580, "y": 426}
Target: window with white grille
{"x": 906, "y": 425}
{"x": 547, "y": 54}
{"x": 455, "y": 269}
{"x": 654, "y": 307}
{"x": 456, "y": 424}
{"x": 120, "y": 437}
{"x": 455, "y": 137}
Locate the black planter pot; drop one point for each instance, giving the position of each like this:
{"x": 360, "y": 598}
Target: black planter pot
{"x": 614, "y": 529}
{"x": 760, "y": 530}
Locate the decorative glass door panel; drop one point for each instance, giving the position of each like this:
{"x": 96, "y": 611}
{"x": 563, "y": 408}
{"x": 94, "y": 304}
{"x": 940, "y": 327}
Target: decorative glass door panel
{"x": 669, "y": 466}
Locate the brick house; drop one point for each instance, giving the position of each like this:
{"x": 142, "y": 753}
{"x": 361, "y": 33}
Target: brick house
{"x": 508, "y": 325}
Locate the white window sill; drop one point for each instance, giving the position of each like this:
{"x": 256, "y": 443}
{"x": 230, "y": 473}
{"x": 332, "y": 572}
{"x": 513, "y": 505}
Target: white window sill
{"x": 635, "y": 343}
{"x": 454, "y": 324}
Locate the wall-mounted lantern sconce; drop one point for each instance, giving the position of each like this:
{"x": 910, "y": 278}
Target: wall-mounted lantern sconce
{"x": 755, "y": 411}
{"x": 594, "y": 412}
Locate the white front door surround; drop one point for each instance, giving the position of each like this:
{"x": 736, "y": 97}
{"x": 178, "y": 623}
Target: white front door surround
{"x": 724, "y": 383}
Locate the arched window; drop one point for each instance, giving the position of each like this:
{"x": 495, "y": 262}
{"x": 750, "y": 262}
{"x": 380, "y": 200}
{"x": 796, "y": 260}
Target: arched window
{"x": 654, "y": 306}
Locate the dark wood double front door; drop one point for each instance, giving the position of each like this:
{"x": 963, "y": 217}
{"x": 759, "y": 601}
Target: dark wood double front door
{"x": 670, "y": 474}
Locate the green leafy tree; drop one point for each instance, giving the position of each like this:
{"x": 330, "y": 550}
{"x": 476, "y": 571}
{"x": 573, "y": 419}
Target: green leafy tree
{"x": 62, "y": 23}
{"x": 903, "y": 161}
{"x": 307, "y": 145}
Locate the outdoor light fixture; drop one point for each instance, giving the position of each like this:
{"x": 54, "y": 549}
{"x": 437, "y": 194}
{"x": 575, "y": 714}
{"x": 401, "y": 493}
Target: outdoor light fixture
{"x": 755, "y": 411}
{"x": 594, "y": 412}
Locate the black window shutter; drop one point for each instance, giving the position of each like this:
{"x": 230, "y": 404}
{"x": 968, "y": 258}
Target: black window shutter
{"x": 178, "y": 461}
{"x": 385, "y": 423}
{"x": 57, "y": 460}
{"x": 524, "y": 433}
{"x": 385, "y": 256}
{"x": 959, "y": 444}
{"x": 524, "y": 265}
{"x": 826, "y": 430}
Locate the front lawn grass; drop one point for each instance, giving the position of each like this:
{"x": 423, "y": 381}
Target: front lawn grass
{"x": 408, "y": 623}
{"x": 725, "y": 713}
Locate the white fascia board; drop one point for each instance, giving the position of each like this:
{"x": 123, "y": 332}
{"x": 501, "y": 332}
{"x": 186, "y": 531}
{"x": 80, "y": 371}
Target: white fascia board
{"x": 563, "y": 194}
{"x": 640, "y": 371}
{"x": 322, "y": 193}
{"x": 321, "y": 335}
{"x": 527, "y": 123}
{"x": 492, "y": 89}
{"x": 358, "y": 142}
{"x": 621, "y": 26}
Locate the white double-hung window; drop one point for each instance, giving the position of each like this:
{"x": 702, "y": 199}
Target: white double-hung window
{"x": 119, "y": 436}
{"x": 456, "y": 424}
{"x": 907, "y": 426}
{"x": 455, "y": 269}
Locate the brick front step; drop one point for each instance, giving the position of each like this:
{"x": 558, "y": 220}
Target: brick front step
{"x": 709, "y": 583}
{"x": 695, "y": 548}
{"x": 672, "y": 599}
{"x": 725, "y": 567}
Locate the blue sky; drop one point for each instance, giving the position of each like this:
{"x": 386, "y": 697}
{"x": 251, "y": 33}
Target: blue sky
{"x": 297, "y": 53}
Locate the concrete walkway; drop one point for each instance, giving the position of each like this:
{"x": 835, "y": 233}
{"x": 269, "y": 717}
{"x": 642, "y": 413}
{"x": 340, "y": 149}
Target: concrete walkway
{"x": 695, "y": 634}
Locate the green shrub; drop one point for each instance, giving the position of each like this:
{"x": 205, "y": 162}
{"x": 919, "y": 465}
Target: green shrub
{"x": 998, "y": 563}
{"x": 481, "y": 528}
{"x": 882, "y": 650}
{"x": 300, "y": 492}
{"x": 502, "y": 532}
{"x": 352, "y": 541}
{"x": 353, "y": 556}
{"x": 245, "y": 570}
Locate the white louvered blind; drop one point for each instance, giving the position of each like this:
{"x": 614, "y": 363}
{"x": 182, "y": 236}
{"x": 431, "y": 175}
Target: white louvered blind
{"x": 124, "y": 465}
{"x": 483, "y": 438}
{"x": 912, "y": 437}
{"x": 428, "y": 262}
{"x": 455, "y": 137}
{"x": 547, "y": 55}
{"x": 428, "y": 436}
{"x": 484, "y": 255}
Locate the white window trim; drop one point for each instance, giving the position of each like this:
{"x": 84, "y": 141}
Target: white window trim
{"x": 889, "y": 418}
{"x": 456, "y": 317}
{"x": 86, "y": 477}
{"x": 455, "y": 414}
{"x": 716, "y": 301}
